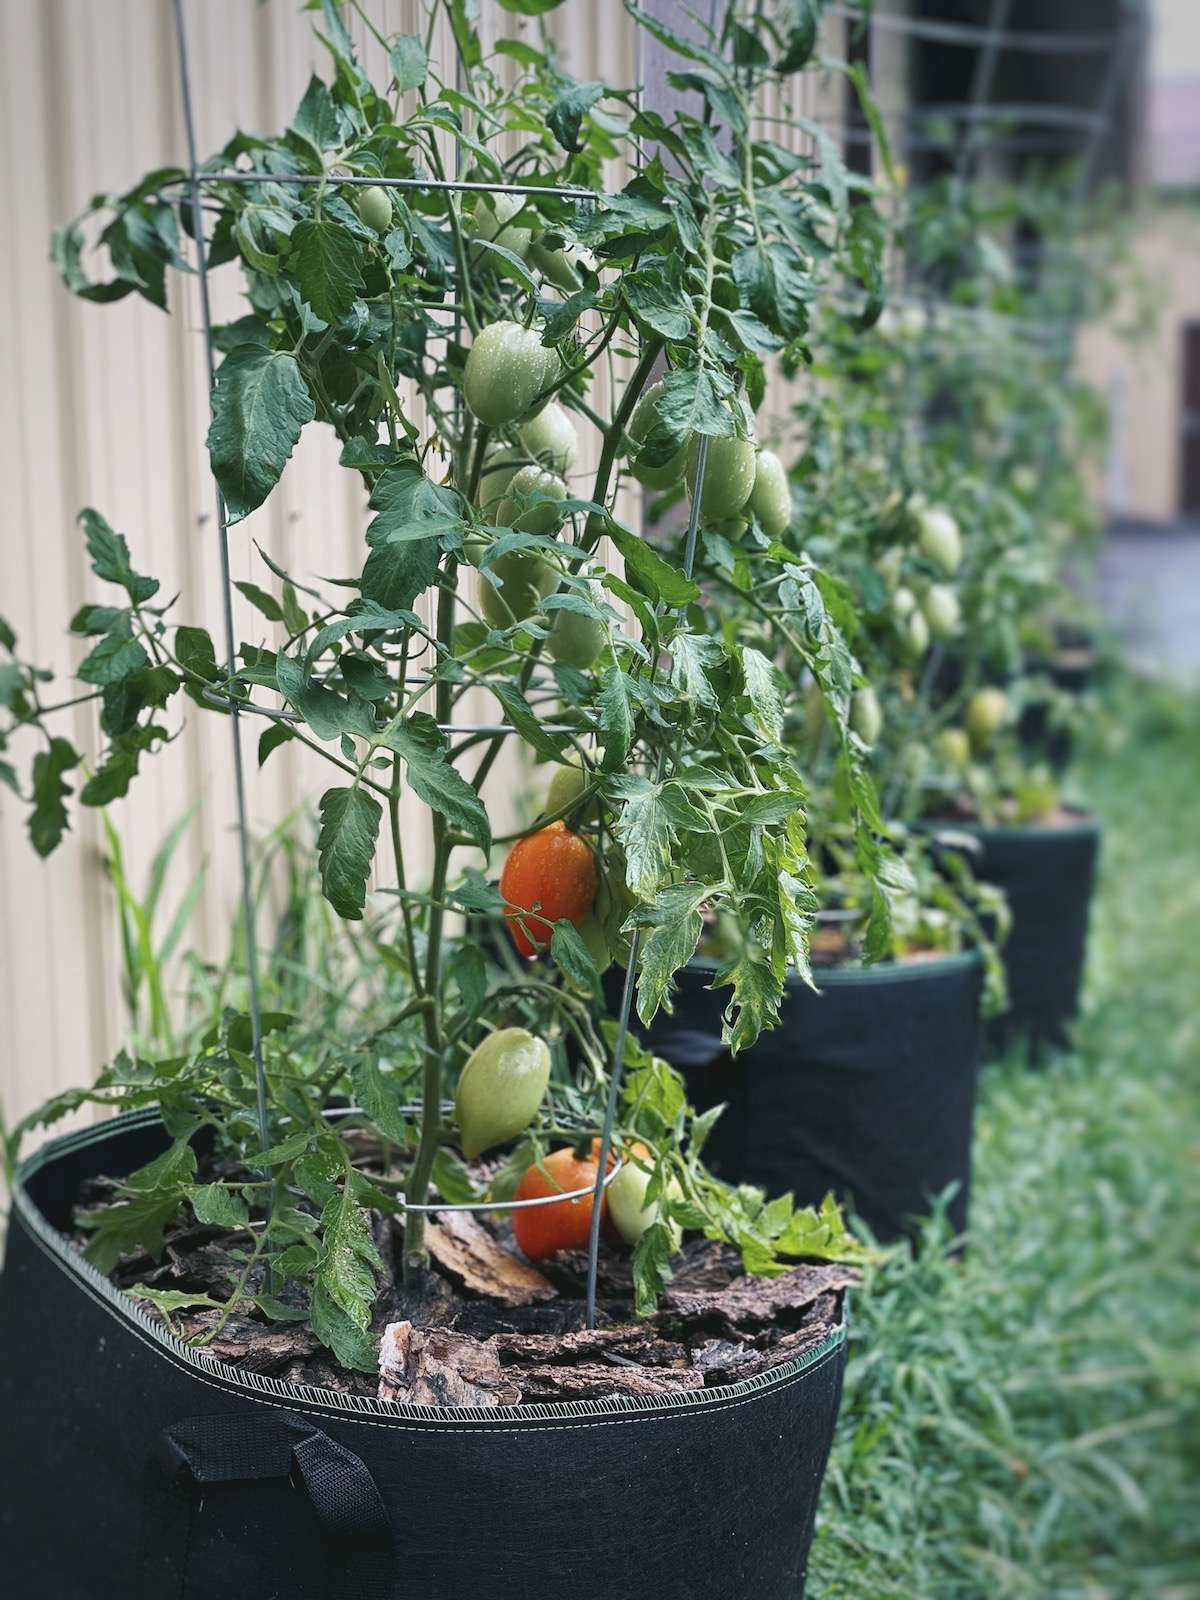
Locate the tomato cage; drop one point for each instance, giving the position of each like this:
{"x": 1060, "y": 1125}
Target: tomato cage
{"x": 198, "y": 178}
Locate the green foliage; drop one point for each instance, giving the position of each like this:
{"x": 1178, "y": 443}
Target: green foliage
{"x": 1023, "y": 1420}
{"x": 354, "y": 295}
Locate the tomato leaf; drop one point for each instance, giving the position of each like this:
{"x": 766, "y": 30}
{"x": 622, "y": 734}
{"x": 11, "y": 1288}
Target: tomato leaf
{"x": 324, "y": 258}
{"x": 410, "y": 64}
{"x": 671, "y": 944}
{"x": 110, "y": 558}
{"x": 644, "y": 828}
{"x": 423, "y": 748}
{"x": 646, "y": 568}
{"x": 652, "y": 1267}
{"x": 316, "y": 119}
{"x": 328, "y": 714}
{"x": 616, "y": 717}
{"x": 351, "y": 1345}
{"x": 378, "y": 1093}
{"x": 692, "y": 401}
{"x": 116, "y": 657}
{"x": 573, "y": 958}
{"x": 260, "y": 404}
{"x": 346, "y": 848}
{"x": 764, "y": 687}
{"x": 565, "y": 116}
{"x": 349, "y": 1259}
{"x": 261, "y": 600}
{"x": 217, "y": 1206}
{"x": 48, "y": 819}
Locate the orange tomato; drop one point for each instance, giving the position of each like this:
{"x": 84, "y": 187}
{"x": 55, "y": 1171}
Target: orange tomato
{"x": 544, "y": 1230}
{"x": 549, "y": 874}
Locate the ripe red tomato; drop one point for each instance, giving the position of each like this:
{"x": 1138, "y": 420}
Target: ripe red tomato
{"x": 553, "y": 870}
{"x": 544, "y": 1230}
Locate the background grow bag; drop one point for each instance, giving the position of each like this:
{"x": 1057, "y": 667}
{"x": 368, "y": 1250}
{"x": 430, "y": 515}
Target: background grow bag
{"x": 132, "y": 1465}
{"x": 867, "y": 1088}
{"x": 1048, "y": 874}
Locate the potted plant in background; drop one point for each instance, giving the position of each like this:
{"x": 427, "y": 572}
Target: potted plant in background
{"x": 959, "y": 430}
{"x": 868, "y": 1085}
{"x": 283, "y": 1266}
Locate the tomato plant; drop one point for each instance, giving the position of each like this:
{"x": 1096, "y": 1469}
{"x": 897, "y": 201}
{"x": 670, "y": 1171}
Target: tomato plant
{"x": 498, "y": 312}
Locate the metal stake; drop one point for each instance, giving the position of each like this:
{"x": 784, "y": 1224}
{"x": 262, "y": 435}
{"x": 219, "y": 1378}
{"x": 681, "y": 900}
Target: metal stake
{"x": 239, "y": 776}
{"x": 614, "y": 1085}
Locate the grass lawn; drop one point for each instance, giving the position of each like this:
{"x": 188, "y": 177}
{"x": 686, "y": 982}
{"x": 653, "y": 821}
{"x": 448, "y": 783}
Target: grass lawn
{"x": 1026, "y": 1423}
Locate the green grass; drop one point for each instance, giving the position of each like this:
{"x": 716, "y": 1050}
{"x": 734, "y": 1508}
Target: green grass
{"x": 1026, "y": 1423}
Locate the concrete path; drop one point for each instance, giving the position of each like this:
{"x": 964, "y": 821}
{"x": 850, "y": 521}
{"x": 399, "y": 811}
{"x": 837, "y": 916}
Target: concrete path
{"x": 1148, "y": 585}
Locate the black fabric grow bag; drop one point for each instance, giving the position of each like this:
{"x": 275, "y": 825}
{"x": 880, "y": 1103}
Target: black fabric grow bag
{"x": 1048, "y": 874}
{"x": 867, "y": 1088}
{"x": 132, "y": 1465}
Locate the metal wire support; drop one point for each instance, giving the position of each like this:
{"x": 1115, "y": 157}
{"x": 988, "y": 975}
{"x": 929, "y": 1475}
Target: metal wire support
{"x": 239, "y": 776}
{"x": 981, "y": 83}
{"x": 970, "y": 34}
{"x": 635, "y": 941}
{"x": 440, "y": 185}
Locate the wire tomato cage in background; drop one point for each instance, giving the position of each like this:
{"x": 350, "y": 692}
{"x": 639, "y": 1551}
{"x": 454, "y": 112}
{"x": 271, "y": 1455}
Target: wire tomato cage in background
{"x": 196, "y": 180}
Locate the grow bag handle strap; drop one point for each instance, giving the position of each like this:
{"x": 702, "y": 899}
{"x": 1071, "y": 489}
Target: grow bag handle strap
{"x": 231, "y": 1449}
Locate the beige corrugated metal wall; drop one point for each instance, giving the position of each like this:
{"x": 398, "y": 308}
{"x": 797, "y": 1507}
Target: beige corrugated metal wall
{"x": 107, "y": 406}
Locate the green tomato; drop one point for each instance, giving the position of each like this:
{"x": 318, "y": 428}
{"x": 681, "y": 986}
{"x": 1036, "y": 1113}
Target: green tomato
{"x": 866, "y": 715}
{"x": 493, "y": 214}
{"x": 544, "y": 517}
{"x": 561, "y": 266}
{"x": 728, "y": 476}
{"x": 576, "y": 640}
{"x": 525, "y": 581}
{"x": 627, "y": 1203}
{"x": 941, "y": 609}
{"x": 375, "y": 209}
{"x": 815, "y": 716}
{"x": 954, "y": 747}
{"x": 904, "y": 603}
{"x": 500, "y": 1089}
{"x": 939, "y": 540}
{"x": 644, "y": 420}
{"x": 734, "y": 529}
{"x": 507, "y": 369}
{"x": 771, "y": 496}
{"x": 567, "y": 784}
{"x": 499, "y": 470}
{"x": 987, "y": 712}
{"x": 550, "y": 438}
{"x": 916, "y": 634}
{"x": 889, "y": 565}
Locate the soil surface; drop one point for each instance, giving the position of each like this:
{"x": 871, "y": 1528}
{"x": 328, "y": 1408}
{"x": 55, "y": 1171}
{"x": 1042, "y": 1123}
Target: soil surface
{"x": 834, "y": 947}
{"x": 486, "y": 1327}
{"x": 965, "y": 812}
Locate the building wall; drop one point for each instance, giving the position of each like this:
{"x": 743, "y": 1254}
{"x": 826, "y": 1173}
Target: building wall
{"x": 1141, "y": 373}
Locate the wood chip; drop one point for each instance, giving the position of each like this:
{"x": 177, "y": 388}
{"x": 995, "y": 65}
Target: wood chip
{"x": 754, "y": 1302}
{"x": 723, "y": 1361}
{"x": 433, "y": 1367}
{"x": 641, "y": 1343}
{"x": 465, "y": 1248}
{"x": 596, "y": 1380}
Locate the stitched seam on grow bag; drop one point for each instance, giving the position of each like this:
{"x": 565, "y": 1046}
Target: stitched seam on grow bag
{"x": 206, "y": 1369}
